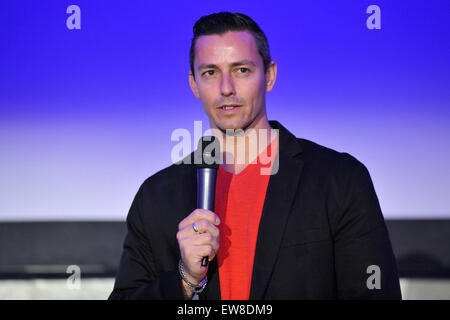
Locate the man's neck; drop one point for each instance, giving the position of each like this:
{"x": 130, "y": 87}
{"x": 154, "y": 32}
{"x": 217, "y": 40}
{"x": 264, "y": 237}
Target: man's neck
{"x": 243, "y": 147}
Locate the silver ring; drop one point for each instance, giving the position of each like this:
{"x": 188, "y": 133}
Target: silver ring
{"x": 194, "y": 227}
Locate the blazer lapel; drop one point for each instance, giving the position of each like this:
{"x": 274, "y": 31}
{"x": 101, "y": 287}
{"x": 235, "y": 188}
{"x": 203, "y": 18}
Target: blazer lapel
{"x": 281, "y": 192}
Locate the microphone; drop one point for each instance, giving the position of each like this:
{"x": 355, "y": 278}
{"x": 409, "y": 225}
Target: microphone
{"x": 207, "y": 161}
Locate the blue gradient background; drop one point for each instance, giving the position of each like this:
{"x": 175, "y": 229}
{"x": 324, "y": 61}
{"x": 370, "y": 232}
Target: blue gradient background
{"x": 86, "y": 115}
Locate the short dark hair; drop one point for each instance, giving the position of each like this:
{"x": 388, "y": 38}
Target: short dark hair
{"x": 222, "y": 22}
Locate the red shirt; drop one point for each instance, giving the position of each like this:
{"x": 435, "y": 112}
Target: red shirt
{"x": 239, "y": 200}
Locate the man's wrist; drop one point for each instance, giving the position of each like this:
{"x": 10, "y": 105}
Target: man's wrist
{"x": 187, "y": 292}
{"x": 192, "y": 287}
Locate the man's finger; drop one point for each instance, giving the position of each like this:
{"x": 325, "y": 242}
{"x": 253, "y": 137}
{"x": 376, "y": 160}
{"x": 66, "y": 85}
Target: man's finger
{"x": 197, "y": 215}
{"x": 205, "y": 239}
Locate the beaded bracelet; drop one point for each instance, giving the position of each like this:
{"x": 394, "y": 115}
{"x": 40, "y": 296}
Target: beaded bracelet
{"x": 195, "y": 288}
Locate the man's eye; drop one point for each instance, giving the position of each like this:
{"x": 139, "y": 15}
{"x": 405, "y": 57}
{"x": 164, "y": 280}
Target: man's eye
{"x": 244, "y": 70}
{"x": 209, "y": 72}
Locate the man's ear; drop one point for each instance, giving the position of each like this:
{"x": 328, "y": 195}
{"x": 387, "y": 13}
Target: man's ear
{"x": 271, "y": 76}
{"x": 193, "y": 85}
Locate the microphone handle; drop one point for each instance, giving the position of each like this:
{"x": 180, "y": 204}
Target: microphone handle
{"x": 206, "y": 185}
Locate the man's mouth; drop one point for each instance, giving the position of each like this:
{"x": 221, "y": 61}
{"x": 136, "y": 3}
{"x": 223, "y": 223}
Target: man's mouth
{"x": 229, "y": 107}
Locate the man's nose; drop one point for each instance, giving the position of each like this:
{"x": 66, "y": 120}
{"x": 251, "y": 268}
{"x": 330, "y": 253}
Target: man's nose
{"x": 227, "y": 86}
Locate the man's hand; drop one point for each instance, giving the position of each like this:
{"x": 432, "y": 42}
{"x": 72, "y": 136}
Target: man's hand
{"x": 196, "y": 245}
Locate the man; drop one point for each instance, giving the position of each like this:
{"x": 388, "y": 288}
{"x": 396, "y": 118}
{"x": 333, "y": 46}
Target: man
{"x": 313, "y": 229}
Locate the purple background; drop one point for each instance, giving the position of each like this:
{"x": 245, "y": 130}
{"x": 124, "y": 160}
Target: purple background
{"x": 86, "y": 115}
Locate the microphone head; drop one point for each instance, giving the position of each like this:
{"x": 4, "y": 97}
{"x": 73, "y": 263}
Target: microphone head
{"x": 207, "y": 154}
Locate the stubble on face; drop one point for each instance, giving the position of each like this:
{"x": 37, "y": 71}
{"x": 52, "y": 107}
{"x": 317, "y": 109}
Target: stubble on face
{"x": 227, "y": 85}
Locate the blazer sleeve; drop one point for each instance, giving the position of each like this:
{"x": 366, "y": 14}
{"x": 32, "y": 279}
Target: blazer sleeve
{"x": 365, "y": 263}
{"x": 137, "y": 277}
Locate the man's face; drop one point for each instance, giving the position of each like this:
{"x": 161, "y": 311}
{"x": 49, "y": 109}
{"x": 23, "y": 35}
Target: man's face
{"x": 229, "y": 71}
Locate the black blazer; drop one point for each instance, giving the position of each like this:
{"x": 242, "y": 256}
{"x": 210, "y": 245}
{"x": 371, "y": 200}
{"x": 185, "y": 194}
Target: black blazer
{"x": 321, "y": 228}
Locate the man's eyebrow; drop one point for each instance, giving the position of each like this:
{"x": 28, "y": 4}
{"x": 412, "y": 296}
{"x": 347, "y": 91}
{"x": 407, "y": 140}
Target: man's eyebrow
{"x": 243, "y": 62}
{"x": 207, "y": 66}
{"x": 234, "y": 64}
